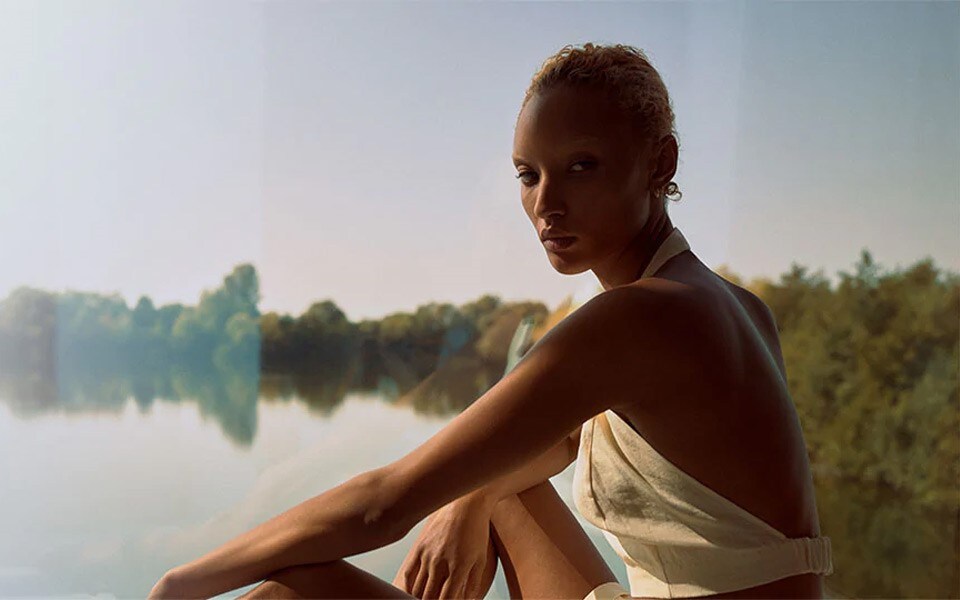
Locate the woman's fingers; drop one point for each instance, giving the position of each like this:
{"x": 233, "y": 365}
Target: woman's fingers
{"x": 420, "y": 582}
{"x": 407, "y": 573}
{"x": 457, "y": 585}
{"x": 460, "y": 586}
{"x": 438, "y": 576}
{"x": 433, "y": 580}
{"x": 471, "y": 586}
{"x": 452, "y": 589}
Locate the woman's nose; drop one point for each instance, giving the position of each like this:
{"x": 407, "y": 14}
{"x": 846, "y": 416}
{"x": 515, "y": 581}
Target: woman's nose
{"x": 548, "y": 202}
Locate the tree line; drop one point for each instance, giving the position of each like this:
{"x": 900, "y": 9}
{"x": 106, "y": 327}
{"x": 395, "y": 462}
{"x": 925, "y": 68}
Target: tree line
{"x": 872, "y": 362}
{"x": 872, "y": 366}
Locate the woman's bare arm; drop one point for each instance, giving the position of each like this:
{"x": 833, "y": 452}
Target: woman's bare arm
{"x": 542, "y": 468}
{"x": 278, "y": 533}
{"x": 581, "y": 367}
{"x": 589, "y": 362}
{"x": 343, "y": 521}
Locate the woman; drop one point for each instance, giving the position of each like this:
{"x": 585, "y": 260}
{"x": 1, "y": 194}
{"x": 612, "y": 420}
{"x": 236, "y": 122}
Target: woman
{"x": 668, "y": 389}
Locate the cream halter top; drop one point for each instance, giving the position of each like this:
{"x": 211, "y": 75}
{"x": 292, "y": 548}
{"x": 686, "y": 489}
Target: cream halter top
{"x": 676, "y": 536}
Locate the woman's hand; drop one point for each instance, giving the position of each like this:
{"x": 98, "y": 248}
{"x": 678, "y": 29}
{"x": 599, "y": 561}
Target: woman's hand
{"x": 450, "y": 557}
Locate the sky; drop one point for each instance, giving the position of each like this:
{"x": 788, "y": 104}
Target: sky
{"x": 360, "y": 152}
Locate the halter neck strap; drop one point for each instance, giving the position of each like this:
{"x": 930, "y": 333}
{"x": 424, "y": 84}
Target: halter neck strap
{"x": 673, "y": 245}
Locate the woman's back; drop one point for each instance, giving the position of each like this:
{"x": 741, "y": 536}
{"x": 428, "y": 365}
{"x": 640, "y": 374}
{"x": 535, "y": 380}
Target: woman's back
{"x": 733, "y": 426}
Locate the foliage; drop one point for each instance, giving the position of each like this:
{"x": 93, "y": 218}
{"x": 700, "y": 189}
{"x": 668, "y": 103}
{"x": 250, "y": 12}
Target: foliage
{"x": 872, "y": 362}
{"x": 872, "y": 366}
{"x": 41, "y": 332}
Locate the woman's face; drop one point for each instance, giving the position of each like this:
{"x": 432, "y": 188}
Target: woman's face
{"x": 582, "y": 173}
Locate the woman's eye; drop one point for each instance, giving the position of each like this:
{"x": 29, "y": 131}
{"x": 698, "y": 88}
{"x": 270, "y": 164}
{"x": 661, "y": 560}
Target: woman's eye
{"x": 521, "y": 176}
{"x": 587, "y": 163}
{"x": 578, "y": 167}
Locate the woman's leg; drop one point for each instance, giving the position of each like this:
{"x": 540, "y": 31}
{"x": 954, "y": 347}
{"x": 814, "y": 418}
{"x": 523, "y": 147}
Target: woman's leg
{"x": 544, "y": 551}
{"x": 340, "y": 579}
{"x": 335, "y": 579}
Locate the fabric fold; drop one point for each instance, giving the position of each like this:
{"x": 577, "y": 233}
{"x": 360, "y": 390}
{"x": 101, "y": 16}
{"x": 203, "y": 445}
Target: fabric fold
{"x": 676, "y": 536}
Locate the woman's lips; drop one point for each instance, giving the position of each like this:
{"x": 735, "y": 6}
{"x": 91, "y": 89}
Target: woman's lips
{"x": 555, "y": 244}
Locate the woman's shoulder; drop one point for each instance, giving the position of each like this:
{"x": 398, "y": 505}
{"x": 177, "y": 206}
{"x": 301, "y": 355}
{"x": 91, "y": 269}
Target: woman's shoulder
{"x": 663, "y": 295}
{"x": 710, "y": 318}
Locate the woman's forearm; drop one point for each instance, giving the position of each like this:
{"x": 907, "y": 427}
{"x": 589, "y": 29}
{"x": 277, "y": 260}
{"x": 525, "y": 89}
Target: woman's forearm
{"x": 540, "y": 469}
{"x": 340, "y": 522}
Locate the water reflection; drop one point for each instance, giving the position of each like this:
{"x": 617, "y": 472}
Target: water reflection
{"x": 111, "y": 479}
{"x": 229, "y": 396}
{"x": 106, "y": 503}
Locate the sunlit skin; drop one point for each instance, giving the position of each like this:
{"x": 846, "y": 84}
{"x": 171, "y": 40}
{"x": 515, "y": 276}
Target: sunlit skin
{"x": 585, "y": 173}
{"x": 690, "y": 360}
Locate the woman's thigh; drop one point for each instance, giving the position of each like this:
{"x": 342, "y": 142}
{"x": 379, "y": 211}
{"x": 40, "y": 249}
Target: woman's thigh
{"x": 544, "y": 551}
{"x": 335, "y": 579}
{"x": 340, "y": 579}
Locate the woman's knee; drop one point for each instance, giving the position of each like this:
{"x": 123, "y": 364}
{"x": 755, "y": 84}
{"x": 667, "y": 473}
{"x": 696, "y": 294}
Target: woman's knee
{"x": 543, "y": 548}
{"x": 271, "y": 589}
{"x": 294, "y": 583}
{"x": 506, "y": 509}
{"x": 539, "y": 503}
{"x": 335, "y": 579}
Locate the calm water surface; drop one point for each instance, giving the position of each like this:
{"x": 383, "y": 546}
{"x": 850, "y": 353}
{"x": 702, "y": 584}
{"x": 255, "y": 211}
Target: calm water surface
{"x": 105, "y": 503}
{"x": 103, "y": 499}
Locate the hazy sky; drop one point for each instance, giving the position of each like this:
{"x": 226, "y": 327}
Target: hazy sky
{"x": 361, "y": 152}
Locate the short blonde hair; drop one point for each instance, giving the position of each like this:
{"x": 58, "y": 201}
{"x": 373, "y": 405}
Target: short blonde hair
{"x": 627, "y": 73}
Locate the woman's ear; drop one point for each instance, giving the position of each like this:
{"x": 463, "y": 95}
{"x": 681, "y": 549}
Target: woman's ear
{"x": 663, "y": 162}
{"x": 656, "y": 193}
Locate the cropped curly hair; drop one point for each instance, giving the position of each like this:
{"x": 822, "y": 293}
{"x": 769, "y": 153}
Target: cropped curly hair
{"x": 625, "y": 72}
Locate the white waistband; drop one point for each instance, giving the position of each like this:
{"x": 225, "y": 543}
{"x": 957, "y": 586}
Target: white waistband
{"x": 682, "y": 571}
